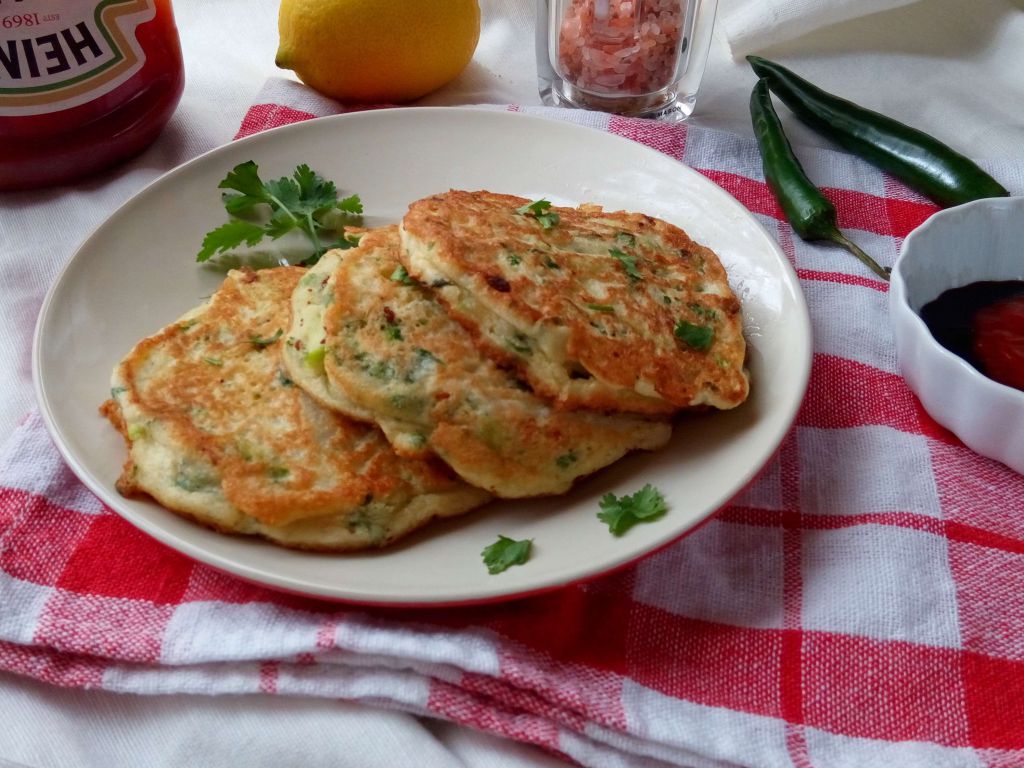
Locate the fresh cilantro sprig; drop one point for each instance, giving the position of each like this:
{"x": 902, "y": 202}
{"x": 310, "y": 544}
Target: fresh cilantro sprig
{"x": 506, "y": 552}
{"x": 623, "y": 512}
{"x": 539, "y": 210}
{"x": 304, "y": 201}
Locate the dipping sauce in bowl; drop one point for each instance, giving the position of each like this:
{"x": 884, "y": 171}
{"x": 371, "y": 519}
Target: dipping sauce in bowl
{"x": 983, "y": 323}
{"x": 967, "y": 263}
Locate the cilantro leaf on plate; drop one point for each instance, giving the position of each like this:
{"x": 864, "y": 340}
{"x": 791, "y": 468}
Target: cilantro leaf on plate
{"x": 506, "y": 552}
{"x": 228, "y": 236}
{"x": 304, "y": 201}
{"x": 245, "y": 178}
{"x": 623, "y": 512}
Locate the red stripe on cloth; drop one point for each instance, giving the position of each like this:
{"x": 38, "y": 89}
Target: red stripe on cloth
{"x": 907, "y": 215}
{"x": 989, "y": 583}
{"x": 817, "y": 522}
{"x": 713, "y": 664}
{"x": 127, "y": 630}
{"x": 666, "y": 138}
{"x": 888, "y": 690}
{"x": 261, "y": 117}
{"x": 843, "y": 279}
{"x": 326, "y": 635}
{"x": 790, "y": 659}
{"x": 855, "y": 686}
{"x": 755, "y": 195}
{"x": 994, "y": 691}
{"x": 268, "y": 677}
{"x": 845, "y": 393}
{"x": 46, "y": 535}
{"x": 466, "y": 708}
{"x": 883, "y": 215}
{"x": 572, "y": 687}
{"x": 796, "y": 746}
{"x": 978, "y": 492}
{"x": 564, "y": 624}
{"x": 131, "y": 564}
{"x": 514, "y": 699}
{"x": 854, "y": 209}
{"x": 48, "y": 666}
{"x": 968, "y": 534}
{"x": 207, "y": 584}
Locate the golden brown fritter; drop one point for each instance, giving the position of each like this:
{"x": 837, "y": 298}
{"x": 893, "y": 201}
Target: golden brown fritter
{"x": 218, "y": 431}
{"x": 392, "y": 351}
{"x": 616, "y": 311}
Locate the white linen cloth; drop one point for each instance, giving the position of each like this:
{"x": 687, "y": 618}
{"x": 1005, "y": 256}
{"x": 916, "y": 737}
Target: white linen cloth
{"x": 946, "y": 66}
{"x": 750, "y": 25}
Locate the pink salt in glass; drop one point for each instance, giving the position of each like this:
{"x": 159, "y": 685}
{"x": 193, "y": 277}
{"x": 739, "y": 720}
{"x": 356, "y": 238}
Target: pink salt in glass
{"x": 635, "y": 57}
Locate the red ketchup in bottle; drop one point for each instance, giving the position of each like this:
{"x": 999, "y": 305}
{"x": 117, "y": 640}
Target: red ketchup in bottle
{"x": 84, "y": 84}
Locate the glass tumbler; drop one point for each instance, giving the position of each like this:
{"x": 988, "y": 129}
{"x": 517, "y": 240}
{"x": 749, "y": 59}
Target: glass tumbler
{"x": 643, "y": 58}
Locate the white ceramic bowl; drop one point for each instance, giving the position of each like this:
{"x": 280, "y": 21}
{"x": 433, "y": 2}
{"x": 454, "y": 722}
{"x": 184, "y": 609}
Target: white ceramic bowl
{"x": 983, "y": 240}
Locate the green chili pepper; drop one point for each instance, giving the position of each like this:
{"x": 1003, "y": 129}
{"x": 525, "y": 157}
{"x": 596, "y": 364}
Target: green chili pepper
{"x": 810, "y": 213}
{"x": 921, "y": 161}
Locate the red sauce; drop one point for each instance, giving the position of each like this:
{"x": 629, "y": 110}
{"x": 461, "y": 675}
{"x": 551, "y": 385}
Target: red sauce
{"x": 83, "y": 85}
{"x": 984, "y": 324}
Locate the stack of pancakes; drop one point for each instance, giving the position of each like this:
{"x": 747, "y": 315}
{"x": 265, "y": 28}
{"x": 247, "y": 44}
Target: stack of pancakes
{"x": 477, "y": 350}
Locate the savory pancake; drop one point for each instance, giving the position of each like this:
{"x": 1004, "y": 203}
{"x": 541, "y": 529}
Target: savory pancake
{"x": 218, "y": 431}
{"x": 305, "y": 347}
{"x": 392, "y": 351}
{"x": 614, "y": 311}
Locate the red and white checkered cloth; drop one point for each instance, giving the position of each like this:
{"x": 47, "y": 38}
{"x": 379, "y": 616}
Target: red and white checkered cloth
{"x": 861, "y": 604}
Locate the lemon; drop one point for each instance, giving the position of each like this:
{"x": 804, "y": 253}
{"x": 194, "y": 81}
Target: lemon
{"x": 373, "y": 51}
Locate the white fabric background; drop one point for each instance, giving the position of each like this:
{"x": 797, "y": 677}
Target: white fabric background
{"x": 951, "y": 67}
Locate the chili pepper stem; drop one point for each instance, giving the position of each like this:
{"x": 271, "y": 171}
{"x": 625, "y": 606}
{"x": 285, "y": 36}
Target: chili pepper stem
{"x": 840, "y": 239}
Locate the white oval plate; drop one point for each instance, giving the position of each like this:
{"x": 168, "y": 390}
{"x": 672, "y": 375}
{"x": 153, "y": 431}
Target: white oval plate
{"x": 137, "y": 272}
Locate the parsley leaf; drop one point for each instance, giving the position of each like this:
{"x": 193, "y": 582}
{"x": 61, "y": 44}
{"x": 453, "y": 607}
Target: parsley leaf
{"x": 539, "y": 210}
{"x": 696, "y": 336}
{"x": 622, "y": 513}
{"x": 506, "y": 552}
{"x": 601, "y": 308}
{"x": 245, "y": 178}
{"x": 351, "y": 204}
{"x": 304, "y": 201}
{"x": 628, "y": 263}
{"x": 230, "y": 235}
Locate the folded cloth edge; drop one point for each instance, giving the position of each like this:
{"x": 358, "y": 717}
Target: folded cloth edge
{"x": 752, "y": 25}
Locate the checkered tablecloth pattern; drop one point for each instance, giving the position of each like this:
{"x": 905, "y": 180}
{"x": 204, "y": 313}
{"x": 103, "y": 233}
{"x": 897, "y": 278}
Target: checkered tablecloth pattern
{"x": 862, "y": 603}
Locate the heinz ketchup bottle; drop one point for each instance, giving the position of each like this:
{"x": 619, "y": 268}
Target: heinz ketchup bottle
{"x": 83, "y": 84}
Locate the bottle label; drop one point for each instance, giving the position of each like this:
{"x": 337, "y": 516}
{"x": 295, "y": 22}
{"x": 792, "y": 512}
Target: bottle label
{"x": 54, "y": 56}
